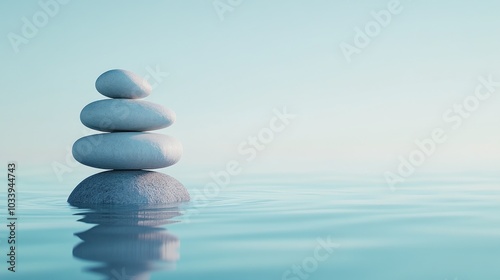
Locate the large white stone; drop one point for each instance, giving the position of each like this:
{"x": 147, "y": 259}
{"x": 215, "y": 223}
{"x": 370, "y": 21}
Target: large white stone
{"x": 127, "y": 150}
{"x": 128, "y": 187}
{"x": 119, "y": 83}
{"x": 126, "y": 115}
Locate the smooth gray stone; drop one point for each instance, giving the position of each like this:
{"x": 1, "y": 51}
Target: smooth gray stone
{"x": 127, "y": 150}
{"x": 128, "y": 187}
{"x": 118, "y": 83}
{"x": 126, "y": 115}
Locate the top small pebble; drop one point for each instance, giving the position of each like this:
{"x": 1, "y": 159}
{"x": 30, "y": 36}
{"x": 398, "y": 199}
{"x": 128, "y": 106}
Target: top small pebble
{"x": 119, "y": 83}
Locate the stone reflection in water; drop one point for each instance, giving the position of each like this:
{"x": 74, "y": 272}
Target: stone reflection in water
{"x": 128, "y": 242}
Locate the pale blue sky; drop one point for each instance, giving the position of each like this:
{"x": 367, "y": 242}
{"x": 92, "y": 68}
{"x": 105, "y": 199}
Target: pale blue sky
{"x": 227, "y": 76}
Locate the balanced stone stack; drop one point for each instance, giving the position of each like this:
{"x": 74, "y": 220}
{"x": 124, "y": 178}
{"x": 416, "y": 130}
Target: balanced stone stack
{"x": 125, "y": 147}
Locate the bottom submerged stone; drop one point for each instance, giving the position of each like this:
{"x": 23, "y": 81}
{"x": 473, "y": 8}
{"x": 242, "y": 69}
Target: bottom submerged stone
{"x": 128, "y": 187}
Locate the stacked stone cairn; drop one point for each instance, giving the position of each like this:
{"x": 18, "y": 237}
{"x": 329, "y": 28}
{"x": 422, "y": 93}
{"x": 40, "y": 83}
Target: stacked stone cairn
{"x": 126, "y": 147}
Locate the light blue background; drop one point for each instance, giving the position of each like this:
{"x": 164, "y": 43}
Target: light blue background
{"x": 226, "y": 77}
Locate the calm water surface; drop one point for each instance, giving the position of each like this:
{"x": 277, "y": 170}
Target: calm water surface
{"x": 436, "y": 229}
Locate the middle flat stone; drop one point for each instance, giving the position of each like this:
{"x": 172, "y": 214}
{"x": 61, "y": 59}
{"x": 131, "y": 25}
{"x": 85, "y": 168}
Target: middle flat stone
{"x": 127, "y": 150}
{"x": 111, "y": 115}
